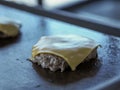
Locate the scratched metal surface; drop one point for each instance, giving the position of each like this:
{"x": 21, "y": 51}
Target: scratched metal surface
{"x": 17, "y": 73}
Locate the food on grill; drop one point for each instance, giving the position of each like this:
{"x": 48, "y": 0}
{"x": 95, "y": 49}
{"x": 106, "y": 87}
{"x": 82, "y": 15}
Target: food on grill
{"x": 61, "y": 52}
{"x": 8, "y": 27}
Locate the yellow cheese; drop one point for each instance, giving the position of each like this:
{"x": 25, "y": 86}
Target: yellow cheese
{"x": 9, "y": 27}
{"x": 74, "y": 49}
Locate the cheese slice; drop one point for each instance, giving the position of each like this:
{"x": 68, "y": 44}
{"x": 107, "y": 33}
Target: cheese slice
{"x": 8, "y": 27}
{"x": 73, "y": 49}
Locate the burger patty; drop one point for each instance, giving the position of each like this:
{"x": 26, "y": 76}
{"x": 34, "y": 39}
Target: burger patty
{"x": 54, "y": 62}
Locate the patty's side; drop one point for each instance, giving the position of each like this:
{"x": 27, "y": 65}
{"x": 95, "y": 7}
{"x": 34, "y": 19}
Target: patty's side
{"x": 92, "y": 55}
{"x": 54, "y": 62}
{"x": 51, "y": 61}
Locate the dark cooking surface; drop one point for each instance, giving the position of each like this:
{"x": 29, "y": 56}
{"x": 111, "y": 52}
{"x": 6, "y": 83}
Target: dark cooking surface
{"x": 17, "y": 73}
{"x": 104, "y": 8}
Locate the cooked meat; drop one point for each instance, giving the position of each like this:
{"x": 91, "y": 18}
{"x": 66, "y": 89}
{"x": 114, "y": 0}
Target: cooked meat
{"x": 2, "y": 34}
{"x": 55, "y": 63}
{"x": 51, "y": 61}
{"x": 92, "y": 55}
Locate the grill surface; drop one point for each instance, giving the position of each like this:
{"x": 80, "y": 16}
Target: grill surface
{"x": 18, "y": 73}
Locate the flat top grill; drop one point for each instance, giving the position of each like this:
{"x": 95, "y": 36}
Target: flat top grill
{"x": 20, "y": 74}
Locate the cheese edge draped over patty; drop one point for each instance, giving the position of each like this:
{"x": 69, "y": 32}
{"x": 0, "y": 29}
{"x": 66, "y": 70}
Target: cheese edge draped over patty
{"x": 73, "y": 49}
{"x": 9, "y": 27}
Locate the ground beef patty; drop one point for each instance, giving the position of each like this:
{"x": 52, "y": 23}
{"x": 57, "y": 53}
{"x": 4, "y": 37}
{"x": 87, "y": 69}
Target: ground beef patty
{"x": 54, "y": 62}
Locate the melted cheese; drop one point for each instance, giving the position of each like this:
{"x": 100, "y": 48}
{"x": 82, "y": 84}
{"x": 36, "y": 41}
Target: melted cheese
{"x": 73, "y": 49}
{"x": 9, "y": 27}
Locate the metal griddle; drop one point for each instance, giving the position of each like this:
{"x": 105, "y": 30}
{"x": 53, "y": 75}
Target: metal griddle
{"x": 18, "y": 73}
